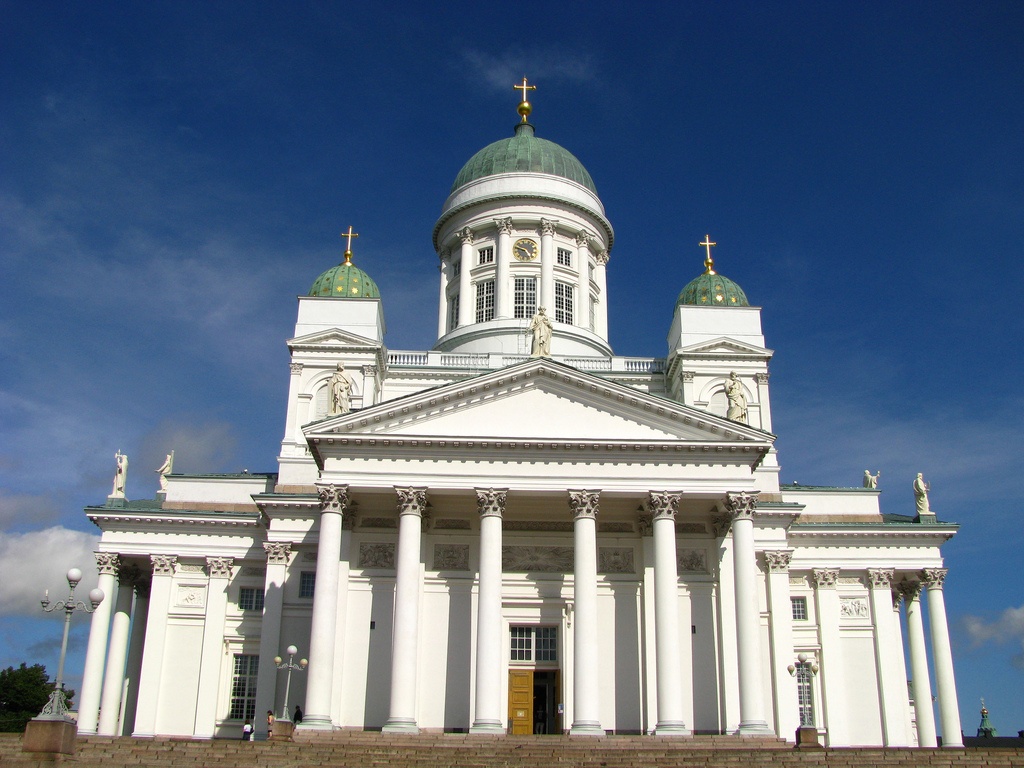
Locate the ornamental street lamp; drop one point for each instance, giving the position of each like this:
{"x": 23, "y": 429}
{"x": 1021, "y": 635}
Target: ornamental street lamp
{"x": 57, "y": 707}
{"x": 290, "y": 665}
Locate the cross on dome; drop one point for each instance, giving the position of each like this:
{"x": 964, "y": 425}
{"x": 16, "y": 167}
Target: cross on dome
{"x": 524, "y": 105}
{"x": 709, "y": 263}
{"x": 348, "y": 248}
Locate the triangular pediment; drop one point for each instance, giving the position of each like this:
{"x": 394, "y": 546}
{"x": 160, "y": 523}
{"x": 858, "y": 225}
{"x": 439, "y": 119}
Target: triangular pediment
{"x": 334, "y": 338}
{"x": 539, "y": 401}
{"x": 724, "y": 346}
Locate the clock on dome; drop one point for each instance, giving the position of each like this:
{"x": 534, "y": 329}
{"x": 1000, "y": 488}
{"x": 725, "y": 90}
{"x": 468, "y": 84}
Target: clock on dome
{"x": 525, "y": 249}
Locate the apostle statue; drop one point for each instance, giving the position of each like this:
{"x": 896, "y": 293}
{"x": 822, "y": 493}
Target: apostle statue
{"x": 921, "y": 489}
{"x": 737, "y": 399}
{"x": 165, "y": 469}
{"x": 120, "y": 474}
{"x": 871, "y": 481}
{"x": 340, "y": 386}
{"x": 541, "y": 328}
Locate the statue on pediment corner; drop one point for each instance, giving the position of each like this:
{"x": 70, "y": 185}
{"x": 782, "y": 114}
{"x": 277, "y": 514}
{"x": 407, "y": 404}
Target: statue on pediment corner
{"x": 871, "y": 481}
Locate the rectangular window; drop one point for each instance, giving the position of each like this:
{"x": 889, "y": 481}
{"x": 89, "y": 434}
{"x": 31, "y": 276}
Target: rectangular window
{"x": 536, "y": 644}
{"x": 563, "y": 302}
{"x": 593, "y": 313}
{"x": 799, "y": 608}
{"x": 307, "y": 583}
{"x": 457, "y": 268}
{"x": 250, "y": 599}
{"x": 486, "y": 256}
{"x": 563, "y": 257}
{"x": 485, "y": 301}
{"x": 804, "y": 695}
{"x": 525, "y": 297}
{"x": 453, "y": 313}
{"x": 243, "y": 686}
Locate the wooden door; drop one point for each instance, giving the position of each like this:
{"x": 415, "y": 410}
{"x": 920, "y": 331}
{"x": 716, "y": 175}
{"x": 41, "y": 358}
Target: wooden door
{"x": 520, "y": 700}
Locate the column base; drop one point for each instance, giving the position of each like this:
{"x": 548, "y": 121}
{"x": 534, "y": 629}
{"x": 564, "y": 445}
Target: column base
{"x": 488, "y": 727}
{"x": 672, "y": 728}
{"x": 315, "y": 723}
{"x": 586, "y": 728}
{"x": 755, "y": 728}
{"x": 400, "y": 725}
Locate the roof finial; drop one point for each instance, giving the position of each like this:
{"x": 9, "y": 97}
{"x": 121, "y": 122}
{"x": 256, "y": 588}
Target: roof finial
{"x": 524, "y": 106}
{"x": 709, "y": 263}
{"x": 348, "y": 248}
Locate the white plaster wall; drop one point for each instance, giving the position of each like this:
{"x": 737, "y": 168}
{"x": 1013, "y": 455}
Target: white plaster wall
{"x": 179, "y": 687}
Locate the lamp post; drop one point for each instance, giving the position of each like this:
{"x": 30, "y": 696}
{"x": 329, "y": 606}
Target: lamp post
{"x": 290, "y": 665}
{"x": 57, "y": 706}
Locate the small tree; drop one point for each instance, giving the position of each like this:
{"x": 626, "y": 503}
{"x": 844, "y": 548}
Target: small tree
{"x": 23, "y": 694}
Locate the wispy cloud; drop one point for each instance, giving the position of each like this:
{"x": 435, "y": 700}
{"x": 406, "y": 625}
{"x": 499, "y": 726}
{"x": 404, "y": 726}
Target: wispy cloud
{"x": 1008, "y": 627}
{"x": 501, "y": 71}
{"x": 38, "y": 560}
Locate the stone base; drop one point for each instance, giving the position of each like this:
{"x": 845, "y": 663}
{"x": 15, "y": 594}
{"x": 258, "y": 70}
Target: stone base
{"x": 282, "y": 730}
{"x": 807, "y": 738}
{"x": 53, "y": 736}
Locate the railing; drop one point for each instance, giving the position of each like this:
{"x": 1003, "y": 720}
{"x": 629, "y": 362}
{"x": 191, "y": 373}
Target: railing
{"x": 485, "y": 361}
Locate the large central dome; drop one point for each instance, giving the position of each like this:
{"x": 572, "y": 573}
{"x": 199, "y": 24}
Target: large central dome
{"x": 524, "y": 152}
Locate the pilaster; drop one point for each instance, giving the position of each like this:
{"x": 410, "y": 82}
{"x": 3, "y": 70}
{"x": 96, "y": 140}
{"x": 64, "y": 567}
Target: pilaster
{"x": 151, "y": 674}
{"x": 219, "y": 572}
{"x": 780, "y": 633}
{"x": 278, "y": 557}
{"x": 892, "y": 689}
{"x": 826, "y": 599}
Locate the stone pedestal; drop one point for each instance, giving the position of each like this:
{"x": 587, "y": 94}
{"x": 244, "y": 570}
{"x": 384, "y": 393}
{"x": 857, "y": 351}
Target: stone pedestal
{"x": 282, "y": 730}
{"x": 807, "y": 737}
{"x": 53, "y": 736}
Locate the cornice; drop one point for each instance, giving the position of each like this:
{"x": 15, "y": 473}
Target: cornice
{"x": 106, "y": 516}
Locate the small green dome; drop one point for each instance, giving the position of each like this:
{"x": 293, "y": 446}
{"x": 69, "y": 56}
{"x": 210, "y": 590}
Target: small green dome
{"x": 524, "y": 152}
{"x": 345, "y": 281}
{"x": 712, "y": 290}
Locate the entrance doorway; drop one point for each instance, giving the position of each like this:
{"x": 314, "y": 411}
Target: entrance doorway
{"x": 533, "y": 700}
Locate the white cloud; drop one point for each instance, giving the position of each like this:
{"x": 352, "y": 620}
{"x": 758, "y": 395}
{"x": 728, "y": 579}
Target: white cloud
{"x": 38, "y": 560}
{"x": 502, "y": 71}
{"x": 1007, "y": 628}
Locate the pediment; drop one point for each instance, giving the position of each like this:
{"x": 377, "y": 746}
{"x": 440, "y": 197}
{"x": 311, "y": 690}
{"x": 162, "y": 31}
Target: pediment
{"x": 724, "y": 346}
{"x": 333, "y": 337}
{"x": 539, "y": 401}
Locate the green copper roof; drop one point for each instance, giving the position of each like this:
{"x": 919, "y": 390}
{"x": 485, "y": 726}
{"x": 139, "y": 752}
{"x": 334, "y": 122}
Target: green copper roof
{"x": 345, "y": 281}
{"x": 524, "y": 152}
{"x": 712, "y": 290}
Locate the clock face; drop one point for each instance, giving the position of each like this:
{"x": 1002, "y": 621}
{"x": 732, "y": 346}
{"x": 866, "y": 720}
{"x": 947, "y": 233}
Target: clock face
{"x": 524, "y": 249}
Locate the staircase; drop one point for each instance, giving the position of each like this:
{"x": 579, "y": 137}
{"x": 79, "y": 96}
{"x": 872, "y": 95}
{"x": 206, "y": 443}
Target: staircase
{"x": 358, "y": 749}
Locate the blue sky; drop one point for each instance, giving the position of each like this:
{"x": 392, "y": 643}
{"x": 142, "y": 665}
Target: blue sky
{"x": 173, "y": 175}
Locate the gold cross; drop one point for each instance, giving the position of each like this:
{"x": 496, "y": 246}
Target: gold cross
{"x": 708, "y": 262}
{"x": 524, "y": 106}
{"x": 524, "y": 88}
{"x": 348, "y": 248}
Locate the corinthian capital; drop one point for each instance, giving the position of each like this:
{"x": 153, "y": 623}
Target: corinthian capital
{"x": 601, "y": 257}
{"x": 663, "y": 504}
{"x": 333, "y": 498}
{"x": 547, "y": 226}
{"x": 504, "y": 225}
{"x": 825, "y": 578}
{"x": 107, "y": 563}
{"x": 910, "y": 589}
{"x": 220, "y": 567}
{"x": 163, "y": 565}
{"x": 491, "y": 502}
{"x": 933, "y": 578}
{"x": 277, "y": 552}
{"x": 778, "y": 560}
{"x": 465, "y": 235}
{"x": 880, "y": 578}
{"x": 741, "y": 505}
{"x": 411, "y": 501}
{"x": 584, "y": 503}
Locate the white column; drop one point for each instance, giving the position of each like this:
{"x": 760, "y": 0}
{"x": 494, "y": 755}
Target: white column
{"x": 213, "y": 646}
{"x": 648, "y": 631}
{"x": 780, "y": 628}
{"x": 601, "y": 278}
{"x": 663, "y": 508}
{"x": 502, "y": 304}
{"x": 278, "y": 555}
{"x": 405, "y": 636}
{"x": 833, "y": 681}
{"x": 95, "y": 654}
{"x": 133, "y": 668}
{"x": 151, "y": 673}
{"x": 582, "y": 309}
{"x": 333, "y": 501}
{"x": 741, "y": 508}
{"x": 488, "y": 714}
{"x": 442, "y": 299}
{"x": 467, "y": 312}
{"x": 292, "y": 413}
{"x": 900, "y": 660}
{"x": 942, "y": 656}
{"x": 924, "y": 714}
{"x": 547, "y": 264}
{"x": 892, "y": 689}
{"x": 113, "y": 679}
{"x": 586, "y": 667}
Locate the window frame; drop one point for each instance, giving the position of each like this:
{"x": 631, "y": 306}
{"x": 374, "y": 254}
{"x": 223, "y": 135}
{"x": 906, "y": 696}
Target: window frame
{"x": 485, "y": 301}
{"x": 564, "y": 302}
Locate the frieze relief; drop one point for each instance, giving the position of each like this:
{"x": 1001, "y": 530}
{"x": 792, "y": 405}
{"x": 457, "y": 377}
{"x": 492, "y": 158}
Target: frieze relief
{"x": 252, "y": 570}
{"x": 692, "y": 560}
{"x": 451, "y": 524}
{"x": 377, "y": 555}
{"x": 615, "y": 560}
{"x": 190, "y": 568}
{"x": 851, "y": 580}
{"x": 378, "y": 522}
{"x": 518, "y": 559}
{"x": 691, "y": 528}
{"x": 853, "y": 608}
{"x": 537, "y": 525}
{"x": 190, "y": 596}
{"x": 451, "y": 557}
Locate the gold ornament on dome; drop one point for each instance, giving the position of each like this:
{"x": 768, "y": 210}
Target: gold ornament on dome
{"x": 524, "y": 106}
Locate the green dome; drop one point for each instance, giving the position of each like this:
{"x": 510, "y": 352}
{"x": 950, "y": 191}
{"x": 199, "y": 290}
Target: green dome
{"x": 345, "y": 281}
{"x": 524, "y": 152}
{"x": 712, "y": 290}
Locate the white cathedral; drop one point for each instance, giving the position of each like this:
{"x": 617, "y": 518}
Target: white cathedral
{"x": 519, "y": 531}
